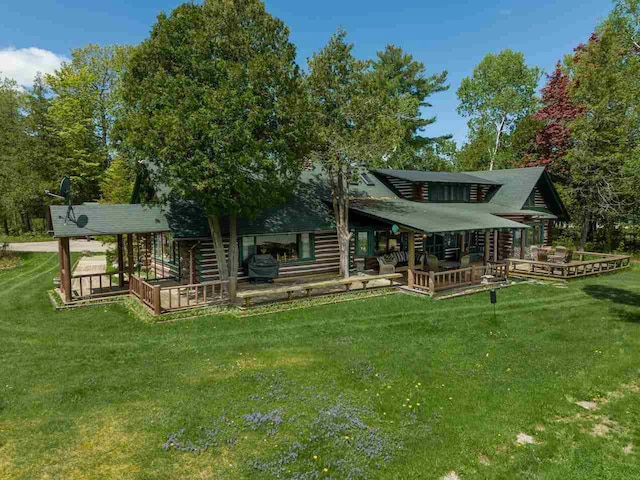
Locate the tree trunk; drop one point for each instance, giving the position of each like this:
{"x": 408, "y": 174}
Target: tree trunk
{"x": 341, "y": 212}
{"x": 233, "y": 256}
{"x": 586, "y": 225}
{"x": 218, "y": 246}
{"x": 5, "y": 222}
{"x": 495, "y": 149}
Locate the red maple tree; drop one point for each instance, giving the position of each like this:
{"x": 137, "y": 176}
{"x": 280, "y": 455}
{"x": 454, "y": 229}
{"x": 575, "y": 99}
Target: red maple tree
{"x": 553, "y": 139}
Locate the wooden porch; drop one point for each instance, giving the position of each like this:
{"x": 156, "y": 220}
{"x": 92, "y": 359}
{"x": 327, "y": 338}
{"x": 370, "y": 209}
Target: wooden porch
{"x": 433, "y": 282}
{"x": 587, "y": 263}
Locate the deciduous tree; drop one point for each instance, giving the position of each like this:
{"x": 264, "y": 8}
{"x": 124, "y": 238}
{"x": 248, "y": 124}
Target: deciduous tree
{"x": 557, "y": 112}
{"x": 83, "y": 110}
{"x": 605, "y": 140}
{"x": 498, "y": 94}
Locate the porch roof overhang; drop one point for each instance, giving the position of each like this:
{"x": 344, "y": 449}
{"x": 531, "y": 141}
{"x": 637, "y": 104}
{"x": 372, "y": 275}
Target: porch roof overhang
{"x": 434, "y": 217}
{"x": 93, "y": 219}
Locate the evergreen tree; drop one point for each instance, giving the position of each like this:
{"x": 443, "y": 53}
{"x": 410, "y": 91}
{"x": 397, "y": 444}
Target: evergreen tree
{"x": 358, "y": 121}
{"x": 214, "y": 98}
{"x": 399, "y": 75}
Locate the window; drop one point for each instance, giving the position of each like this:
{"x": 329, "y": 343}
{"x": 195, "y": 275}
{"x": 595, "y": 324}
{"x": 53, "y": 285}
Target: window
{"x": 284, "y": 247}
{"x": 449, "y": 192}
{"x": 391, "y": 242}
{"x": 366, "y": 179}
{"x": 531, "y": 200}
{"x": 165, "y": 247}
{"x": 434, "y": 245}
{"x": 362, "y": 243}
{"x": 535, "y": 235}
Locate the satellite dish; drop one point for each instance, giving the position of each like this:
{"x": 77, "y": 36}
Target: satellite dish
{"x": 65, "y": 187}
{"x": 82, "y": 221}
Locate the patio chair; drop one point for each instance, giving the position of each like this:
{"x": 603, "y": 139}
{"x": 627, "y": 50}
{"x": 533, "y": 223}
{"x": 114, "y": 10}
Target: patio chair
{"x": 562, "y": 255}
{"x": 387, "y": 264}
{"x": 538, "y": 254}
{"x": 432, "y": 263}
{"x": 465, "y": 261}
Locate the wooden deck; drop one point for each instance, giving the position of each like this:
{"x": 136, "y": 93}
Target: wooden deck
{"x": 433, "y": 282}
{"x": 588, "y": 263}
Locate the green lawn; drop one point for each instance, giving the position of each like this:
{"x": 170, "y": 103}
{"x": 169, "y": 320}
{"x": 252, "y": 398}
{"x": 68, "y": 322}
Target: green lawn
{"x": 25, "y": 237}
{"x": 388, "y": 387}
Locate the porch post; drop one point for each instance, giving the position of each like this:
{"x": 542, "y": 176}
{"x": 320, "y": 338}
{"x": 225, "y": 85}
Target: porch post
{"x": 412, "y": 259}
{"x": 61, "y": 259}
{"x": 495, "y": 246}
{"x": 120, "y": 261}
{"x": 487, "y": 246}
{"x": 462, "y": 243}
{"x": 65, "y": 272}
{"x": 130, "y": 254}
{"x": 549, "y": 241}
{"x": 523, "y": 241}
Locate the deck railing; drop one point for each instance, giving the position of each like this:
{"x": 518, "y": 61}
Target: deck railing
{"x": 148, "y": 294}
{"x": 161, "y": 299}
{"x": 433, "y": 282}
{"x": 595, "y": 264}
{"x": 92, "y": 285}
{"x": 178, "y": 297}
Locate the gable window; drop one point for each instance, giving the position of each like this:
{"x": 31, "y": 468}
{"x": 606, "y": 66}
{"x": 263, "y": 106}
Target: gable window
{"x": 531, "y": 200}
{"x": 283, "y": 247}
{"x": 417, "y": 192}
{"x": 449, "y": 192}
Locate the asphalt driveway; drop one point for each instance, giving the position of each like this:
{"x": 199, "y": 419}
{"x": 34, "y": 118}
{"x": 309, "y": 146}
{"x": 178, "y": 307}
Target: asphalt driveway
{"x": 47, "y": 247}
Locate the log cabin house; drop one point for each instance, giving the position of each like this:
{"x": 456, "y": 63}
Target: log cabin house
{"x": 401, "y": 220}
{"x": 488, "y": 215}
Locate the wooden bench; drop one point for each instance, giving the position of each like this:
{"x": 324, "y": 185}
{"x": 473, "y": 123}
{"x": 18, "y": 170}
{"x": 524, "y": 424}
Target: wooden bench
{"x": 309, "y": 287}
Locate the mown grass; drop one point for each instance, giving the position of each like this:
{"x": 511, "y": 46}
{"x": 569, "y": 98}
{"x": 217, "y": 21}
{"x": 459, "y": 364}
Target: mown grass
{"x": 387, "y": 387}
{"x": 26, "y": 237}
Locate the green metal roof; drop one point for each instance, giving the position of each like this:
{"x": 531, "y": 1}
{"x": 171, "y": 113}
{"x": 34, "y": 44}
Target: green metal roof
{"x": 305, "y": 212}
{"x": 517, "y": 184}
{"x": 106, "y": 219}
{"x": 433, "y": 217}
{"x": 436, "y": 177}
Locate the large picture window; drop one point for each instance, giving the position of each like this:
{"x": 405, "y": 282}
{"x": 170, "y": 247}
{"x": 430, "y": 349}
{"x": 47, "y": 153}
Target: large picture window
{"x": 391, "y": 242}
{"x": 434, "y": 245}
{"x": 283, "y": 247}
{"x": 447, "y": 192}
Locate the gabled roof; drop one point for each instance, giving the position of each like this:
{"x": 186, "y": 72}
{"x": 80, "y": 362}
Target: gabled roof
{"x": 517, "y": 185}
{"x": 435, "y": 177}
{"x": 379, "y": 202}
{"x": 106, "y": 219}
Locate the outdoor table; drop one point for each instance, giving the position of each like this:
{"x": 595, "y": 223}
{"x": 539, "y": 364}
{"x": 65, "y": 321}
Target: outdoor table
{"x": 449, "y": 265}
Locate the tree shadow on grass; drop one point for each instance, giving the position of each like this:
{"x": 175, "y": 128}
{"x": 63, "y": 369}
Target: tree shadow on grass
{"x": 618, "y": 297}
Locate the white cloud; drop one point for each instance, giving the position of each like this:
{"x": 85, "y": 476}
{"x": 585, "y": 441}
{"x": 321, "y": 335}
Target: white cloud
{"x": 22, "y": 64}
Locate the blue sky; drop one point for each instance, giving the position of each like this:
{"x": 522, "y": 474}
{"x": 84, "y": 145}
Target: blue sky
{"x": 452, "y": 36}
